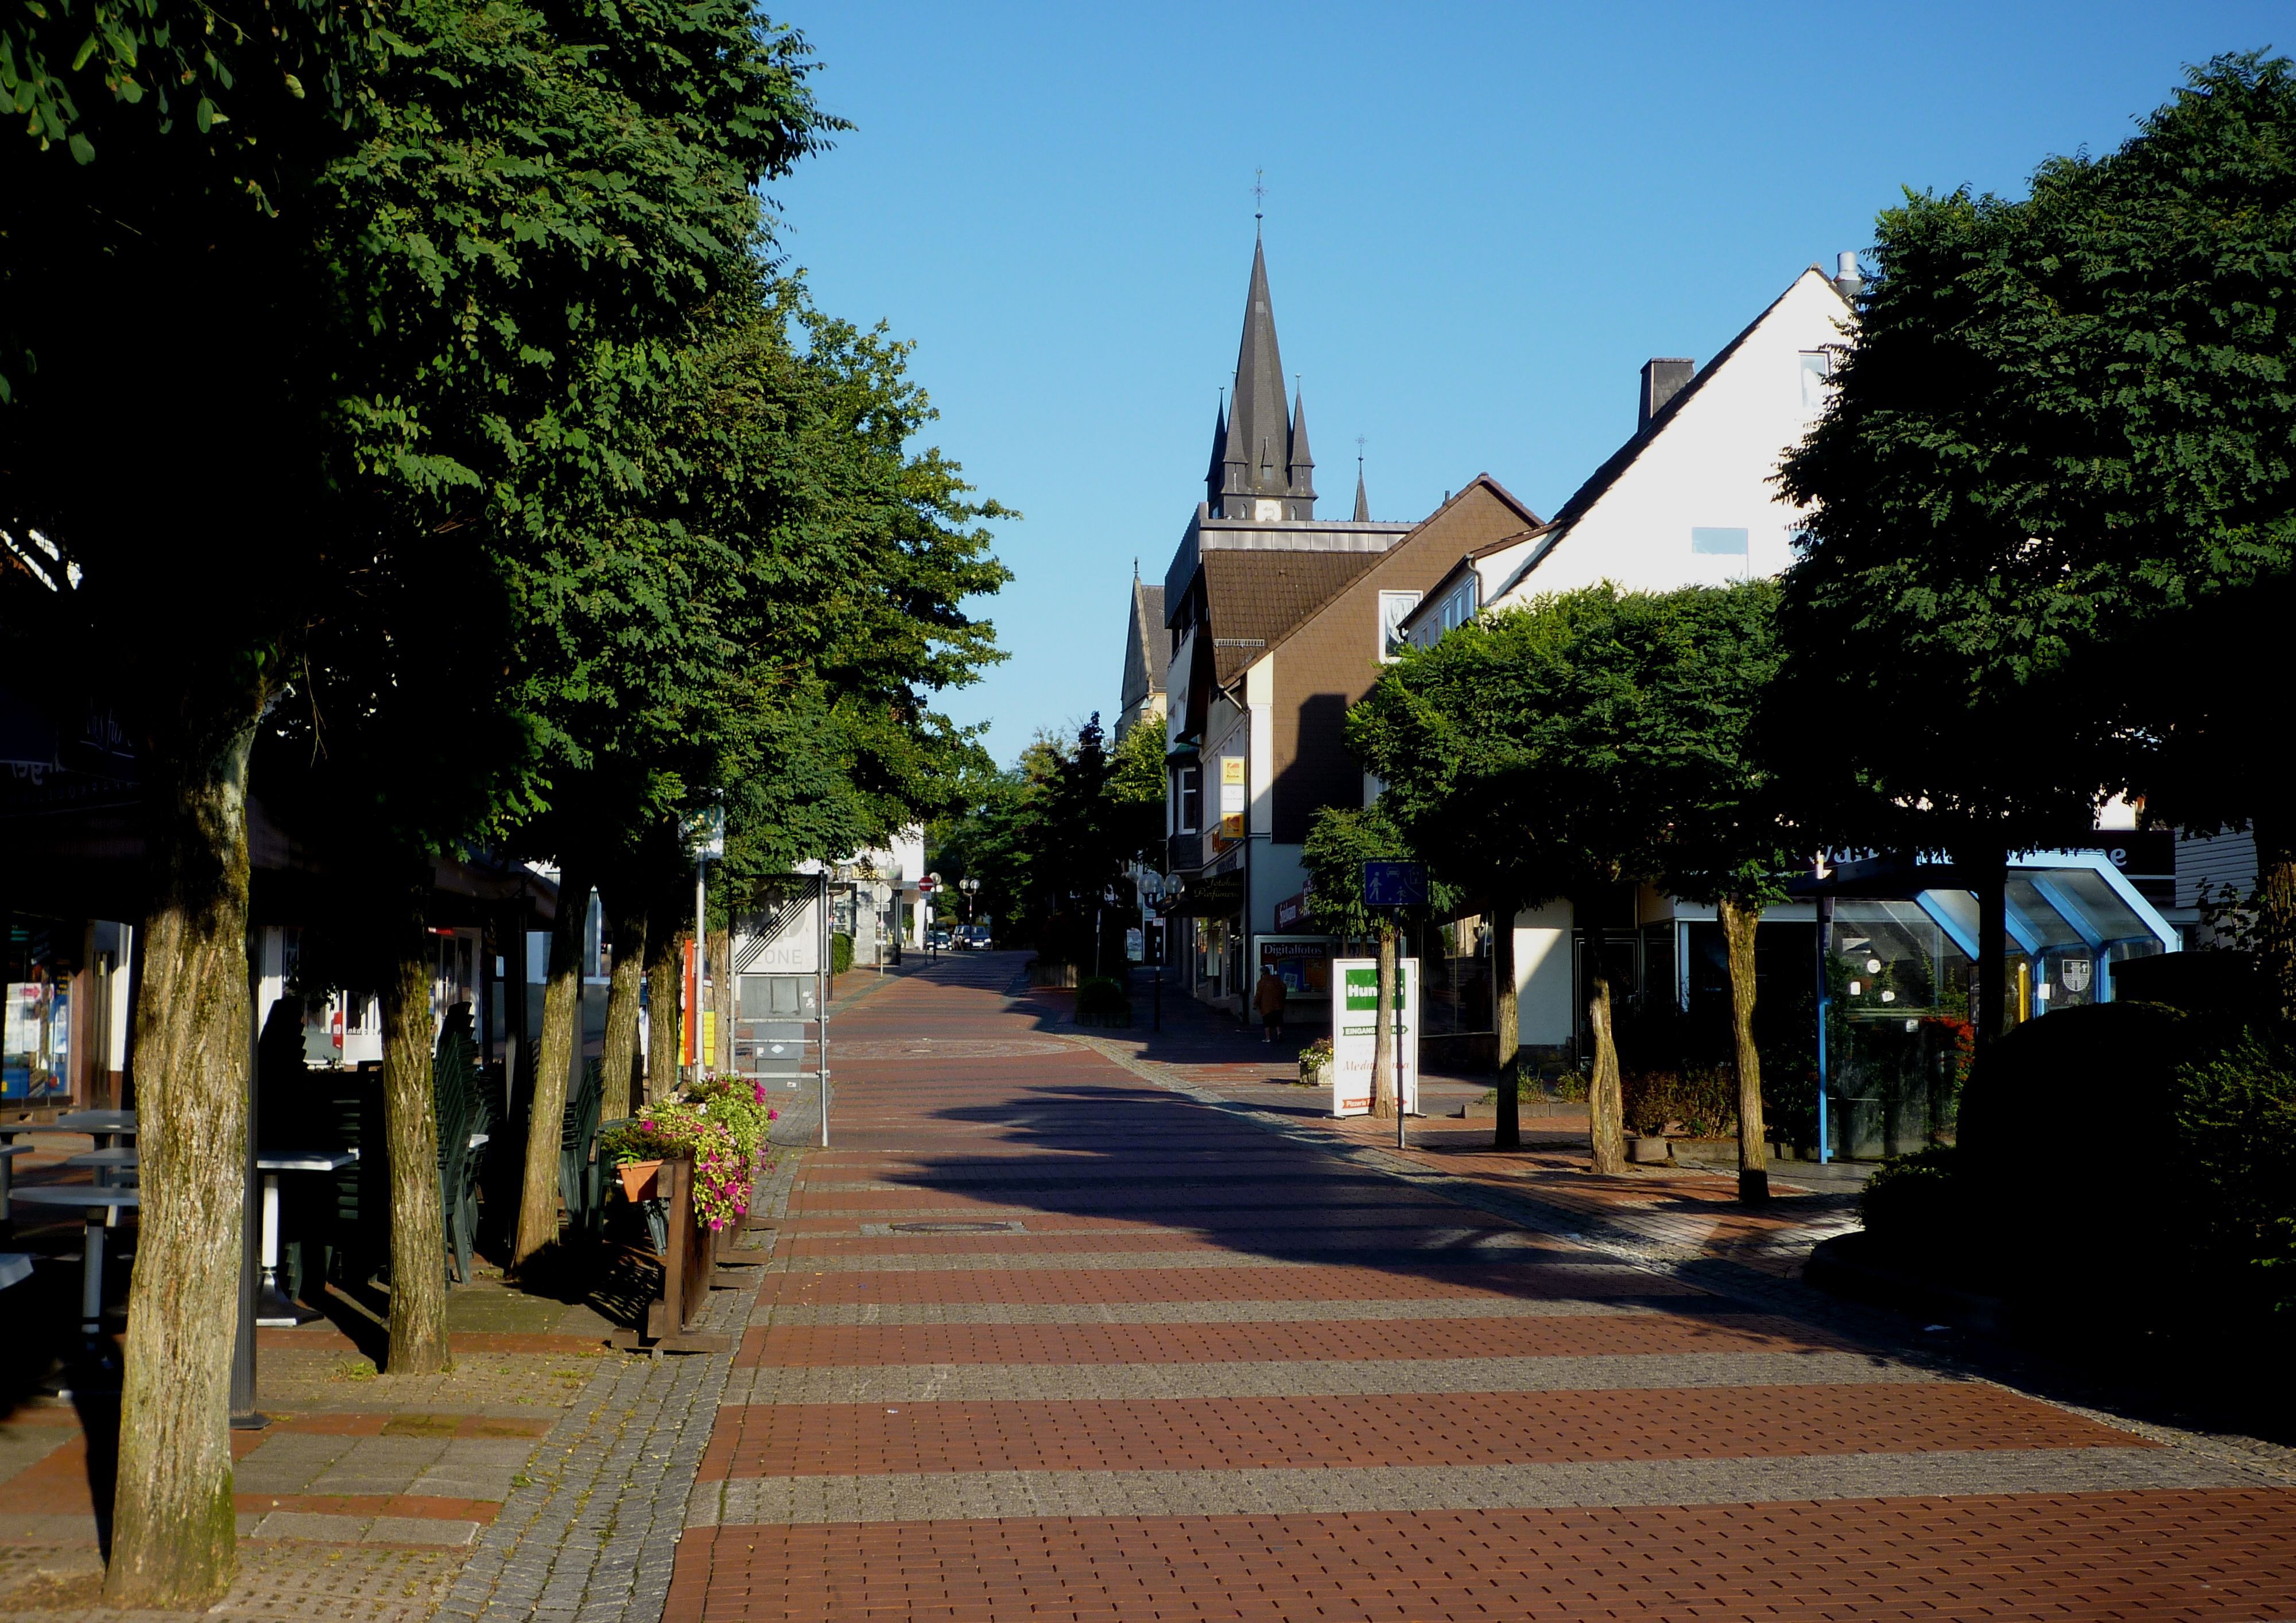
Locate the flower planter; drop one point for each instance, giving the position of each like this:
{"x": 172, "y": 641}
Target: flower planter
{"x": 689, "y": 1265}
{"x": 639, "y": 1180}
{"x": 1646, "y": 1148}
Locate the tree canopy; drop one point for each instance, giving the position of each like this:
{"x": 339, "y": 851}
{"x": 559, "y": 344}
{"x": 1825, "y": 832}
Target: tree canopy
{"x": 2053, "y": 506}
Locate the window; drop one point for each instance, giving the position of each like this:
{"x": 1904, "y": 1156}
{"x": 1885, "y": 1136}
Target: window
{"x": 1188, "y": 799}
{"x": 1459, "y": 608}
{"x": 1718, "y": 543}
{"x": 1816, "y": 372}
{"x": 1394, "y": 607}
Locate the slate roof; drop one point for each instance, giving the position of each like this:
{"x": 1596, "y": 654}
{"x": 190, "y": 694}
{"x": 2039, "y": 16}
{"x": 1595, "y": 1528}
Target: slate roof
{"x": 1144, "y": 646}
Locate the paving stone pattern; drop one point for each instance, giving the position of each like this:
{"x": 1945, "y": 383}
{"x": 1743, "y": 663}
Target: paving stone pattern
{"x": 1227, "y": 1361}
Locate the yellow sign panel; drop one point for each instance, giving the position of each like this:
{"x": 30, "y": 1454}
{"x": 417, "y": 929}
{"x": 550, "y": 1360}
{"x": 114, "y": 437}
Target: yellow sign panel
{"x": 1231, "y": 770}
{"x": 1232, "y": 826}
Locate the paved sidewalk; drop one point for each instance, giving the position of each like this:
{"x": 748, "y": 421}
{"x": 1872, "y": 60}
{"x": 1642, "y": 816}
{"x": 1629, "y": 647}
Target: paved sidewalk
{"x": 1058, "y": 1328}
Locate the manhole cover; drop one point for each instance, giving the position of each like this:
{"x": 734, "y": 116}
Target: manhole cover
{"x": 955, "y": 1228}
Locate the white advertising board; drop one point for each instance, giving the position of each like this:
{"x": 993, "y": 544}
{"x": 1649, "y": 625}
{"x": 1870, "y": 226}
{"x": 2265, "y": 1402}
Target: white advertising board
{"x": 1355, "y": 1029}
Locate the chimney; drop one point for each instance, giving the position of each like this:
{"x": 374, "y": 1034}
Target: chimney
{"x": 1663, "y": 380}
{"x": 1846, "y": 282}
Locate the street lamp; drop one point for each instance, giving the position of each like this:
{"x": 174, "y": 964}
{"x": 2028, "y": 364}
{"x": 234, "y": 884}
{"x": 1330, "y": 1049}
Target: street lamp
{"x": 970, "y": 887}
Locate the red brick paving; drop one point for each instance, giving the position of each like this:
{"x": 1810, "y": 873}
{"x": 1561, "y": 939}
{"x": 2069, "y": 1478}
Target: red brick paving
{"x": 1058, "y": 1141}
{"x": 2075, "y": 1558}
{"x": 1411, "y": 1429}
{"x": 1331, "y": 1282}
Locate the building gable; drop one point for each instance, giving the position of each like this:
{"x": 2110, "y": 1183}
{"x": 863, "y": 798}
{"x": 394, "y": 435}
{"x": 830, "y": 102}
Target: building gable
{"x": 1688, "y": 500}
{"x": 1331, "y": 658}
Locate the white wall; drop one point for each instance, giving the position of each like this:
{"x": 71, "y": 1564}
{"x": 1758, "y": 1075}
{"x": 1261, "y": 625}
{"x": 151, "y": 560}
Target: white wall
{"x": 1709, "y": 467}
{"x": 1542, "y": 974}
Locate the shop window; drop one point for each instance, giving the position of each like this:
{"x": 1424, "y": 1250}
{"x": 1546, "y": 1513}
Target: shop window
{"x": 35, "y": 1034}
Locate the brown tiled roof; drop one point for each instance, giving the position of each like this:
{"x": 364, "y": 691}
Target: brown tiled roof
{"x": 1256, "y": 598}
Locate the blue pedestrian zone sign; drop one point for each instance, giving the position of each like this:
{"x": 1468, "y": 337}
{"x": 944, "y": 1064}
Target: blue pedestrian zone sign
{"x": 1395, "y": 884}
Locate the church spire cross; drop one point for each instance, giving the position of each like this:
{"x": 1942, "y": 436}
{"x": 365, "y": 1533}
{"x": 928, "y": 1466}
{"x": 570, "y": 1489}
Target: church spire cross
{"x": 1259, "y": 200}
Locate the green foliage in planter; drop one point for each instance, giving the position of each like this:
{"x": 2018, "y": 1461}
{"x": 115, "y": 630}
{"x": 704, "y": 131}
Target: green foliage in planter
{"x": 840, "y": 953}
{"x": 1101, "y": 995}
{"x": 1704, "y": 1099}
{"x": 1918, "y": 1200}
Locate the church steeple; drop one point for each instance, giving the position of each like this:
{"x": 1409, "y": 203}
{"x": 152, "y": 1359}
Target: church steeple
{"x": 1213, "y": 475}
{"x": 1363, "y": 502}
{"x": 1257, "y": 460}
{"x": 1303, "y": 461}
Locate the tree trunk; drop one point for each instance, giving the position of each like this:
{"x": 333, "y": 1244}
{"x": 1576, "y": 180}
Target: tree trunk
{"x": 627, "y": 922}
{"x": 1384, "y": 1103}
{"x": 410, "y": 1125}
{"x": 562, "y": 1033}
{"x": 1507, "y": 1023}
{"x": 665, "y": 948}
{"x": 1605, "y": 1109}
{"x": 173, "y": 1541}
{"x": 1991, "y": 1015}
{"x": 1739, "y": 918}
{"x": 2276, "y": 911}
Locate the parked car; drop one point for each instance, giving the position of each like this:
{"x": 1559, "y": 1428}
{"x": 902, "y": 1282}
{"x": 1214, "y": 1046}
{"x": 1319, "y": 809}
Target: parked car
{"x": 938, "y": 940}
{"x": 973, "y": 937}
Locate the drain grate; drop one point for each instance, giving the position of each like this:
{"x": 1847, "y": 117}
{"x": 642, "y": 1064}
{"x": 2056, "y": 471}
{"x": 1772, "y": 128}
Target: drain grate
{"x": 954, "y": 1228}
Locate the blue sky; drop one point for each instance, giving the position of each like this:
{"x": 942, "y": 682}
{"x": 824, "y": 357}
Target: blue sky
{"x": 1481, "y": 220}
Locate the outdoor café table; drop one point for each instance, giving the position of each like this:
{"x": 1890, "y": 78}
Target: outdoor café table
{"x": 15, "y": 1268}
{"x": 274, "y": 1308}
{"x": 95, "y": 1206}
{"x": 109, "y": 1165}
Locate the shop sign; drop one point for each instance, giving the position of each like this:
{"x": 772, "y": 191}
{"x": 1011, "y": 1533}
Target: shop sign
{"x": 1289, "y": 911}
{"x": 1231, "y": 801}
{"x": 1355, "y": 1031}
{"x": 1303, "y": 963}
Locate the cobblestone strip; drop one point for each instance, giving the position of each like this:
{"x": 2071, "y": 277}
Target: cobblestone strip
{"x": 2256, "y": 1459}
{"x": 979, "y": 1495}
{"x": 788, "y": 1315}
{"x": 1305, "y": 1377}
{"x": 593, "y": 1536}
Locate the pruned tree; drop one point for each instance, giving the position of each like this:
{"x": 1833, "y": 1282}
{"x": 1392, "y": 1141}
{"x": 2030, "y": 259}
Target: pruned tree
{"x": 2053, "y": 506}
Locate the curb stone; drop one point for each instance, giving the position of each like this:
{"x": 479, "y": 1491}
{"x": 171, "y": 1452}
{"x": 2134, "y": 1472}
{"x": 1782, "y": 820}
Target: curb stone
{"x": 593, "y": 1536}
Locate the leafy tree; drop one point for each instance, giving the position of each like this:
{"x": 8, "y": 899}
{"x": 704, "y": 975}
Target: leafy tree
{"x": 1050, "y": 837}
{"x": 1593, "y": 740}
{"x": 426, "y": 343}
{"x": 162, "y": 479}
{"x": 1728, "y": 844}
{"x": 2054, "y": 503}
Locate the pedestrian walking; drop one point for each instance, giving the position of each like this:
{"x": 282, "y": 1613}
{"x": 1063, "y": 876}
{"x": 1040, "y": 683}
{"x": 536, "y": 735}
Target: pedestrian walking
{"x": 1268, "y": 997}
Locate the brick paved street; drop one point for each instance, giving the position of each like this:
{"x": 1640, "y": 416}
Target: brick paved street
{"x": 1059, "y": 1328}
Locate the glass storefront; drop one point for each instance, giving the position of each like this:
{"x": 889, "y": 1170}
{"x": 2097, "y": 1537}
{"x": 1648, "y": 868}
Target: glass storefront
{"x": 1899, "y": 977}
{"x": 36, "y": 1037}
{"x": 1897, "y": 1029}
{"x": 1454, "y": 975}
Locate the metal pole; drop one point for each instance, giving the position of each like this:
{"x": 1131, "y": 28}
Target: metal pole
{"x": 1824, "y": 1003}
